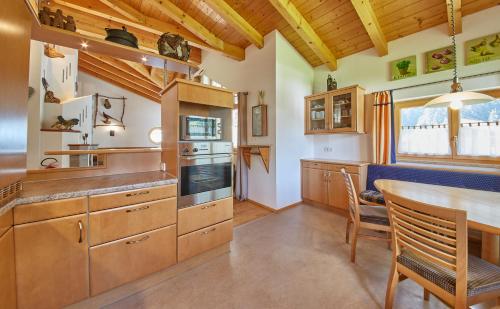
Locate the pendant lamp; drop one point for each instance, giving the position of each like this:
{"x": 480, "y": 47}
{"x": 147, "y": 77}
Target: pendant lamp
{"x": 457, "y": 97}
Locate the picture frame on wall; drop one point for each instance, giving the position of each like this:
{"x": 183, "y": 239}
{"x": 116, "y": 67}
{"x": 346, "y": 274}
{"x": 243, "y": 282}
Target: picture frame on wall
{"x": 404, "y": 68}
{"x": 483, "y": 49}
{"x": 259, "y": 120}
{"x": 440, "y": 59}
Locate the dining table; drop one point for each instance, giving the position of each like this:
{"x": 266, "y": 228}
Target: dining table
{"x": 482, "y": 207}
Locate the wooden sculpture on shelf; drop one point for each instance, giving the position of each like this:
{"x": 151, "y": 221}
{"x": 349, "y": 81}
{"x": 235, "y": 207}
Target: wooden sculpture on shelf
{"x": 51, "y": 52}
{"x": 174, "y": 45}
{"x": 63, "y": 124}
{"x": 56, "y": 19}
{"x": 49, "y": 95}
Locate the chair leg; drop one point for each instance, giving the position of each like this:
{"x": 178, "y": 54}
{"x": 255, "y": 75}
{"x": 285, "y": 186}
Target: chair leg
{"x": 391, "y": 286}
{"x": 347, "y": 230}
{"x": 426, "y": 294}
{"x": 354, "y": 240}
{"x": 389, "y": 243}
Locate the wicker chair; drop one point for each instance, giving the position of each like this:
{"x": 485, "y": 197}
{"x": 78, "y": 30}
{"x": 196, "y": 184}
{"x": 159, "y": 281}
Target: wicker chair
{"x": 363, "y": 217}
{"x": 430, "y": 247}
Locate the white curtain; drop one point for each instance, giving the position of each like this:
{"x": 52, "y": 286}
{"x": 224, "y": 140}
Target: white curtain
{"x": 479, "y": 140}
{"x": 424, "y": 140}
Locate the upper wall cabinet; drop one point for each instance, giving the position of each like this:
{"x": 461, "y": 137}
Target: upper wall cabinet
{"x": 337, "y": 111}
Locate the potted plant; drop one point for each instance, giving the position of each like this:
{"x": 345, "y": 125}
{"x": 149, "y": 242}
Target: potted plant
{"x": 403, "y": 66}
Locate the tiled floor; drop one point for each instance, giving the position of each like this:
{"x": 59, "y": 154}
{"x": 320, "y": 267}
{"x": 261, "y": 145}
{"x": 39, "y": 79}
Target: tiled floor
{"x": 294, "y": 259}
{"x": 246, "y": 211}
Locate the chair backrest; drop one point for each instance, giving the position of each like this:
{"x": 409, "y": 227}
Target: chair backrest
{"x": 352, "y": 195}
{"x": 436, "y": 234}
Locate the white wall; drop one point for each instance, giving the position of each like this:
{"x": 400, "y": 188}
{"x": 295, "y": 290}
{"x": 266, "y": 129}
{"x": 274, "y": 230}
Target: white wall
{"x": 141, "y": 115}
{"x": 294, "y": 80}
{"x": 372, "y": 72}
{"x": 286, "y": 77}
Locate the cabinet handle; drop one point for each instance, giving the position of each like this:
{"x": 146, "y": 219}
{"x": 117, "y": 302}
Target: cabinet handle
{"x": 137, "y": 193}
{"x": 80, "y": 227}
{"x": 137, "y": 209}
{"x": 206, "y": 232}
{"x": 208, "y": 206}
{"x": 132, "y": 242}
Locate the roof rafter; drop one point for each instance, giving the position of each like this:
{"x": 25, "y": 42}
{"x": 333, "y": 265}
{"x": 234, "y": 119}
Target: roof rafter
{"x": 292, "y": 15}
{"x": 237, "y": 21}
{"x": 371, "y": 24}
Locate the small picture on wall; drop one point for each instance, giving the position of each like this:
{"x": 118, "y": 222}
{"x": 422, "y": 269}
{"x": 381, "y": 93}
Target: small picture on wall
{"x": 482, "y": 49}
{"x": 259, "y": 120}
{"x": 404, "y": 68}
{"x": 440, "y": 59}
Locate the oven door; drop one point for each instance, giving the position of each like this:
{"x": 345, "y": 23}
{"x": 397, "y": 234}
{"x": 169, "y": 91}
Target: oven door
{"x": 200, "y": 128}
{"x": 204, "y": 178}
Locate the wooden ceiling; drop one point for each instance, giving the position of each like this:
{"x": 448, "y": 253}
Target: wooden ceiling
{"x": 321, "y": 30}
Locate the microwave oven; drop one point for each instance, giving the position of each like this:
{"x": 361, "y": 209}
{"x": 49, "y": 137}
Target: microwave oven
{"x": 196, "y": 128}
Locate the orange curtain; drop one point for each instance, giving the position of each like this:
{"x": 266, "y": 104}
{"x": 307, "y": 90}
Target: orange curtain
{"x": 382, "y": 122}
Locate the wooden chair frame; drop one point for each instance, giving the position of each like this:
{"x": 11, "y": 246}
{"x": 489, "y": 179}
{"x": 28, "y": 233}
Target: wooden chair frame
{"x": 354, "y": 219}
{"x": 436, "y": 234}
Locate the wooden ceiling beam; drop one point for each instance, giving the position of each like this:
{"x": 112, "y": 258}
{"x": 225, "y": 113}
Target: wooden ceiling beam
{"x": 292, "y": 15}
{"x": 157, "y": 27}
{"x": 179, "y": 16}
{"x": 237, "y": 21}
{"x": 457, "y": 5}
{"x": 125, "y": 10}
{"x": 144, "y": 71}
{"x": 367, "y": 16}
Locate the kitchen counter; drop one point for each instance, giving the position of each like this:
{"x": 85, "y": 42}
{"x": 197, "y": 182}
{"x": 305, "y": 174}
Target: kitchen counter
{"x": 49, "y": 190}
{"x": 336, "y": 161}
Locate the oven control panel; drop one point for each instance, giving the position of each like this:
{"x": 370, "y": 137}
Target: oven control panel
{"x": 204, "y": 148}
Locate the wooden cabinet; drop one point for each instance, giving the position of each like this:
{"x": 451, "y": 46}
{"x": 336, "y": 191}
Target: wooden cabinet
{"x": 337, "y": 111}
{"x": 52, "y": 265}
{"x": 7, "y": 271}
{"x": 118, "y": 262}
{"x": 203, "y": 215}
{"x": 324, "y": 184}
{"x": 49, "y": 210}
{"x": 205, "y": 239}
{"x": 112, "y": 224}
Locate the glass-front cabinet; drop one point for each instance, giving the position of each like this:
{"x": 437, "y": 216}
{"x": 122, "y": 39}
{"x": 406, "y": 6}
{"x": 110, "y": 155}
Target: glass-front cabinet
{"x": 342, "y": 113}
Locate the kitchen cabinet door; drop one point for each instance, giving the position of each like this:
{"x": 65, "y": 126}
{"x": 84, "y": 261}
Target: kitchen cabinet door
{"x": 52, "y": 264}
{"x": 337, "y": 190}
{"x": 7, "y": 271}
{"x": 314, "y": 186}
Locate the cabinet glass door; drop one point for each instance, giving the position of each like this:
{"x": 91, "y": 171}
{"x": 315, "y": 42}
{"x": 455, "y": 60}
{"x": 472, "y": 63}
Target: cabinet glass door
{"x": 317, "y": 114}
{"x": 341, "y": 111}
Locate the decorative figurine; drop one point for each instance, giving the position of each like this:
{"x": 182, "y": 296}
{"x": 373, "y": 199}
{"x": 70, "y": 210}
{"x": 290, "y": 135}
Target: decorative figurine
{"x": 70, "y": 24}
{"x": 174, "y": 45}
{"x": 51, "y": 52}
{"x": 107, "y": 104}
{"x": 58, "y": 20}
{"x": 331, "y": 84}
{"x": 49, "y": 95}
{"x": 63, "y": 124}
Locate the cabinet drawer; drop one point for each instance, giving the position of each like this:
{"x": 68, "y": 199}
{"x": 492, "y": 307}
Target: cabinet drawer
{"x": 203, "y": 240}
{"x": 128, "y": 259}
{"x": 6, "y": 221}
{"x": 348, "y": 168}
{"x": 200, "y": 216}
{"x": 112, "y": 200}
{"x": 314, "y": 165}
{"x": 112, "y": 224}
{"x": 49, "y": 210}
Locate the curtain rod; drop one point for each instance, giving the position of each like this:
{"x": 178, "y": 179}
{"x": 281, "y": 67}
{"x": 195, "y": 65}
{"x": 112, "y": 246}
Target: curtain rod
{"x": 444, "y": 81}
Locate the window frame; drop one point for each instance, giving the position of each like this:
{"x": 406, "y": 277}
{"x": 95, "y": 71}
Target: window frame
{"x": 453, "y": 127}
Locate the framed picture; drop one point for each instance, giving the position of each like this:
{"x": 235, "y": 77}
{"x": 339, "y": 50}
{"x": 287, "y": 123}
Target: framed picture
{"x": 440, "y": 59}
{"x": 404, "y": 68}
{"x": 482, "y": 49}
{"x": 259, "y": 120}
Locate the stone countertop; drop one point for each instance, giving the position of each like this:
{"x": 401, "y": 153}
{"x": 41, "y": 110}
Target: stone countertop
{"x": 336, "y": 161}
{"x": 50, "y": 190}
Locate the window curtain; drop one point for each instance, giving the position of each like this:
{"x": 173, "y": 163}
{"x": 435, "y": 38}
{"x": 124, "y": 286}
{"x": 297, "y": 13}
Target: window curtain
{"x": 383, "y": 128}
{"x": 479, "y": 139}
{"x": 241, "y": 177}
{"x": 424, "y": 140}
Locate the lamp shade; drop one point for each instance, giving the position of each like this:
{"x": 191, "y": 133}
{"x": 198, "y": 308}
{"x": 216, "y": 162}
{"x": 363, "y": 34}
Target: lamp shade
{"x": 457, "y": 99}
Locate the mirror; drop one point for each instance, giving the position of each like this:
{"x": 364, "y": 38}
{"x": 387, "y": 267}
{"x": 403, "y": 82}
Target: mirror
{"x": 84, "y": 101}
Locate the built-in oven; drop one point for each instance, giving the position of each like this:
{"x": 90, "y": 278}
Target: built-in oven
{"x": 205, "y": 172}
{"x": 196, "y": 128}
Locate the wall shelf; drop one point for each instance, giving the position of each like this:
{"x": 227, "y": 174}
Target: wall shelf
{"x": 260, "y": 150}
{"x": 60, "y": 131}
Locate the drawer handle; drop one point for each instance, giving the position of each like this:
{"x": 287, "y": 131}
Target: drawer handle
{"x": 80, "y": 228}
{"x": 208, "y": 206}
{"x": 137, "y": 209}
{"x": 206, "y": 232}
{"x": 132, "y": 242}
{"x": 137, "y": 193}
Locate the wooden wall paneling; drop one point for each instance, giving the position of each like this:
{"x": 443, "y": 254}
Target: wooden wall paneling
{"x": 7, "y": 271}
{"x": 15, "y": 36}
{"x": 170, "y": 130}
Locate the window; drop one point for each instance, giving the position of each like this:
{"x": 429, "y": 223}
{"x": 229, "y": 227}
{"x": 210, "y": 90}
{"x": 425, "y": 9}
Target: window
{"x": 468, "y": 135}
{"x": 155, "y": 135}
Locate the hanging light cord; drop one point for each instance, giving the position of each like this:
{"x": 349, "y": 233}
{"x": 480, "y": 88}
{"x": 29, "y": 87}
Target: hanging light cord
{"x": 456, "y": 85}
